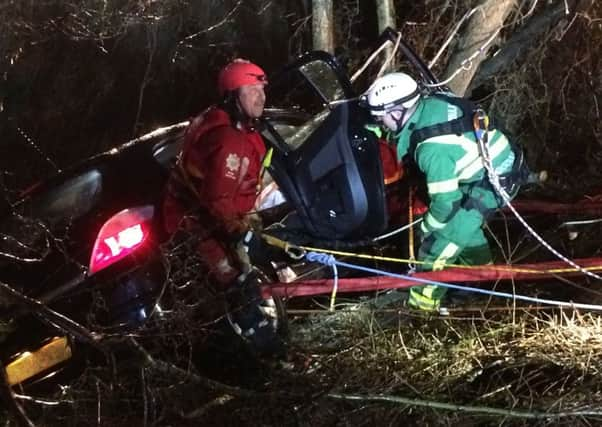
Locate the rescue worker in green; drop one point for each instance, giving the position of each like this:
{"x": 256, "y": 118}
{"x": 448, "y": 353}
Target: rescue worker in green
{"x": 436, "y": 132}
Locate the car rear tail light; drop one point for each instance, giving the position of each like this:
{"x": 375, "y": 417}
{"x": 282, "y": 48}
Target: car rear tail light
{"x": 121, "y": 235}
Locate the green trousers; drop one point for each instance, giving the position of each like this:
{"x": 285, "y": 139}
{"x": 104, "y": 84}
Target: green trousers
{"x": 461, "y": 241}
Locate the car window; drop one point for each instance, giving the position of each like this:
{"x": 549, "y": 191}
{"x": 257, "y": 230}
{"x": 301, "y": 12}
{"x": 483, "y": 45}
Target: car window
{"x": 310, "y": 88}
{"x": 295, "y": 136}
{"x": 67, "y": 201}
{"x": 324, "y": 80}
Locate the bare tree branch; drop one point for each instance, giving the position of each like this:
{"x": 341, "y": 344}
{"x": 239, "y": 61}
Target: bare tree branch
{"x": 51, "y": 317}
{"x": 513, "y": 413}
{"x": 225, "y": 20}
{"x": 151, "y": 33}
{"x": 177, "y": 372}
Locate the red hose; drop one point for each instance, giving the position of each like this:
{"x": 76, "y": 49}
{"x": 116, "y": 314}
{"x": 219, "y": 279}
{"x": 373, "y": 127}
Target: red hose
{"x": 489, "y": 273}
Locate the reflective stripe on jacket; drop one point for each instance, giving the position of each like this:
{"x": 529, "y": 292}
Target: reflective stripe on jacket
{"x": 449, "y": 161}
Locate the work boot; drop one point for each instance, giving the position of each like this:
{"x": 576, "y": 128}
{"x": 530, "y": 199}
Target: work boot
{"x": 254, "y": 319}
{"x": 426, "y": 297}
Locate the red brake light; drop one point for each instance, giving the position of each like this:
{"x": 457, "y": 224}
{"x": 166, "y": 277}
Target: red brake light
{"x": 121, "y": 235}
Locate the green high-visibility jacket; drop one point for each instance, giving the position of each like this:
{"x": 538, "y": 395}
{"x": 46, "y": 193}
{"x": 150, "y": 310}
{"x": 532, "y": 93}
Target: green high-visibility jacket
{"x": 449, "y": 161}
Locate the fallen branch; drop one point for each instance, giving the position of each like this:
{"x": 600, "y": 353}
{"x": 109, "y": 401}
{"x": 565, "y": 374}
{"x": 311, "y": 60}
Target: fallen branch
{"x": 171, "y": 370}
{"x": 49, "y": 316}
{"x": 463, "y": 408}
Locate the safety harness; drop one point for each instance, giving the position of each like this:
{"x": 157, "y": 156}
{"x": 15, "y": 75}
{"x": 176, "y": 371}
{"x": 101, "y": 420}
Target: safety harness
{"x": 457, "y": 126}
{"x": 510, "y": 181}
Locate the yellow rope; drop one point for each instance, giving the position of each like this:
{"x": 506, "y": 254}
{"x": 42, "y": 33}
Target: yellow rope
{"x": 411, "y": 221}
{"x": 286, "y": 246}
{"x": 265, "y": 164}
{"x": 468, "y": 267}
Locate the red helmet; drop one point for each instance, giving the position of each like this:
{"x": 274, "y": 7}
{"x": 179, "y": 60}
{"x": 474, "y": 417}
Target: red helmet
{"x": 239, "y": 73}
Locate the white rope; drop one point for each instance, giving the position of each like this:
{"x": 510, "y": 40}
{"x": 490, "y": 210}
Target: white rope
{"x": 583, "y": 222}
{"x": 375, "y": 54}
{"x": 467, "y": 63}
{"x": 369, "y": 61}
{"x": 495, "y": 181}
{"x": 451, "y": 36}
{"x": 390, "y": 57}
{"x": 397, "y": 231}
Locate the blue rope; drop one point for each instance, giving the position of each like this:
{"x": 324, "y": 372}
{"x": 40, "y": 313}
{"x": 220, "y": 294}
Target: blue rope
{"x": 322, "y": 258}
{"x": 330, "y": 260}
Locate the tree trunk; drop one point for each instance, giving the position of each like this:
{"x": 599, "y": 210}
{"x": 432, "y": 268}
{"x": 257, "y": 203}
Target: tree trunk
{"x": 385, "y": 13}
{"x": 481, "y": 27}
{"x": 521, "y": 40}
{"x": 322, "y": 26}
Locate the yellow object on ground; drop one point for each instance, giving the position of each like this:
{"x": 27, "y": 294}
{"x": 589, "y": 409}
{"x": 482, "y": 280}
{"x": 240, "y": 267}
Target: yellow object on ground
{"x": 29, "y": 364}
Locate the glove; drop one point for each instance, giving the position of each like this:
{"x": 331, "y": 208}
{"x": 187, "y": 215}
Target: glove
{"x": 244, "y": 290}
{"x": 251, "y": 249}
{"x": 254, "y": 221}
{"x": 241, "y": 223}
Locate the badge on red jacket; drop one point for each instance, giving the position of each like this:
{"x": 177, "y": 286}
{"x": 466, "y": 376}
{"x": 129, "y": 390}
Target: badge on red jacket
{"x": 232, "y": 166}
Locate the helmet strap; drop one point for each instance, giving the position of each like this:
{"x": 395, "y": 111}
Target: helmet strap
{"x": 400, "y": 121}
{"x": 231, "y": 106}
{"x": 405, "y": 116}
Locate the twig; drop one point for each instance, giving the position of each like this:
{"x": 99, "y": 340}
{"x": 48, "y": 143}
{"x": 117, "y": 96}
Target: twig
{"x": 199, "y": 412}
{"x": 43, "y": 253}
{"x": 37, "y": 148}
{"x": 45, "y": 402}
{"x": 52, "y": 317}
{"x": 208, "y": 29}
{"x": 144, "y": 397}
{"x": 98, "y": 404}
{"x": 173, "y": 370}
{"x": 152, "y": 47}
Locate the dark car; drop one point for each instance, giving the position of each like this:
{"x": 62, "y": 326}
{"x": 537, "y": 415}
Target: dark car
{"x": 94, "y": 230}
{"x": 94, "y": 227}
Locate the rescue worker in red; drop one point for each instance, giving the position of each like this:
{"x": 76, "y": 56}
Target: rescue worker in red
{"x": 212, "y": 192}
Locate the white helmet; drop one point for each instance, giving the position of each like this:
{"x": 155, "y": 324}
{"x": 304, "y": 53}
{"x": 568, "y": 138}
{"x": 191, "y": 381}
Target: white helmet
{"x": 390, "y": 91}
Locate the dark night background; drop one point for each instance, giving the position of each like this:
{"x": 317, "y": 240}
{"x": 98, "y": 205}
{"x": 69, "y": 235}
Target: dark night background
{"x": 80, "y": 77}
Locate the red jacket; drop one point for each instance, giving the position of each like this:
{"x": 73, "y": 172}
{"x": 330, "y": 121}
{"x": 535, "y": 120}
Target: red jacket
{"x": 219, "y": 168}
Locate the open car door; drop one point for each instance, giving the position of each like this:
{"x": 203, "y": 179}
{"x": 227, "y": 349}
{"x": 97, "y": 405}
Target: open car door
{"x": 326, "y": 163}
